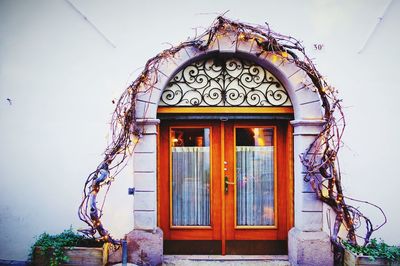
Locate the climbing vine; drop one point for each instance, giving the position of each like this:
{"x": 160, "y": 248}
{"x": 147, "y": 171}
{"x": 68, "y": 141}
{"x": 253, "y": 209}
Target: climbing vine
{"x": 320, "y": 161}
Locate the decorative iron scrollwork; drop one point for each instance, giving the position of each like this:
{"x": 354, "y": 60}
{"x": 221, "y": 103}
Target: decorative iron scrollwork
{"x": 224, "y": 82}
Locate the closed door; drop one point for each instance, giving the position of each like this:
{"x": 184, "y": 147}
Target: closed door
{"x": 224, "y": 187}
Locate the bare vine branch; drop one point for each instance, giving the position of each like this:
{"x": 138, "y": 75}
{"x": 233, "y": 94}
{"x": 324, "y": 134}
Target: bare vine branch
{"x": 319, "y": 160}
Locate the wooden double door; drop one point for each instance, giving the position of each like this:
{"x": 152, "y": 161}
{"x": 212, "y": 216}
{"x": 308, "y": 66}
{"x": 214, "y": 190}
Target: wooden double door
{"x": 224, "y": 187}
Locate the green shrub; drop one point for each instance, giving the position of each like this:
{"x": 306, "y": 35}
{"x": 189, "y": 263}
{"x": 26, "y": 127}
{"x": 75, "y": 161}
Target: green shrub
{"x": 375, "y": 250}
{"x": 54, "y": 245}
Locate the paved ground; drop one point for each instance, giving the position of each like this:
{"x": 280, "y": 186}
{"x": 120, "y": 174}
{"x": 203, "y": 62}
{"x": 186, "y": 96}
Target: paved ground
{"x": 232, "y": 260}
{"x": 202, "y": 260}
{"x": 226, "y": 263}
{"x": 13, "y": 262}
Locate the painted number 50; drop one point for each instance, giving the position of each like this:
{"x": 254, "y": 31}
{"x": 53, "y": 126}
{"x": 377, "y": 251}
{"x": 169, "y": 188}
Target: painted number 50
{"x": 318, "y": 46}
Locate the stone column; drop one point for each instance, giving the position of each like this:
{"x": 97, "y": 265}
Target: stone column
{"x": 145, "y": 177}
{"x": 308, "y": 244}
{"x": 145, "y": 242}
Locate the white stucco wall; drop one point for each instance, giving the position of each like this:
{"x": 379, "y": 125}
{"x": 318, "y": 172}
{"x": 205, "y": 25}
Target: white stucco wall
{"x": 61, "y": 76}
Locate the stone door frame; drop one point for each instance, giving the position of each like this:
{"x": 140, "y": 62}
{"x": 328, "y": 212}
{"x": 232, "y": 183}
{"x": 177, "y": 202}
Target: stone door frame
{"x": 307, "y": 234}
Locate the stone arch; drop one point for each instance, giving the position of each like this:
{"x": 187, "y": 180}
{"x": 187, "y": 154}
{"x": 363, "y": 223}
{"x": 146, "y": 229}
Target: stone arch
{"x": 305, "y": 99}
{"x": 307, "y": 124}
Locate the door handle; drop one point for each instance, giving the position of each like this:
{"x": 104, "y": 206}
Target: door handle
{"x": 227, "y": 183}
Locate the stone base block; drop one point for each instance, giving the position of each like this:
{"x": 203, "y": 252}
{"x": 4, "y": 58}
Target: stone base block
{"x": 144, "y": 248}
{"x": 309, "y": 248}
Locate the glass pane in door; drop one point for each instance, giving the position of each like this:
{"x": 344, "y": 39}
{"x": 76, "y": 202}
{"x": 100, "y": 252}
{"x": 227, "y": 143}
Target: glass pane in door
{"x": 255, "y": 185}
{"x": 190, "y": 153}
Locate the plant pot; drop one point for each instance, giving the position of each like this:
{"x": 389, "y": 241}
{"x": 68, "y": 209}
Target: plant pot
{"x": 351, "y": 259}
{"x": 77, "y": 256}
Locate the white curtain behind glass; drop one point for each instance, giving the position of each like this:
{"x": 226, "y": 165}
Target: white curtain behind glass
{"x": 255, "y": 185}
{"x": 190, "y": 186}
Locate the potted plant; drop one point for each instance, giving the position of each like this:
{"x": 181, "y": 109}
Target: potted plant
{"x": 375, "y": 253}
{"x": 66, "y": 248}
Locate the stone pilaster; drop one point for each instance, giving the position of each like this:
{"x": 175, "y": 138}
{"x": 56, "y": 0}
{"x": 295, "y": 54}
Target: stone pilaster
{"x": 308, "y": 244}
{"x": 145, "y": 177}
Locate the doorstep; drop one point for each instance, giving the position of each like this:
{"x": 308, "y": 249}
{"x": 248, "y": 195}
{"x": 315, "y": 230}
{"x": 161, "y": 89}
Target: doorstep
{"x": 13, "y": 262}
{"x": 228, "y": 260}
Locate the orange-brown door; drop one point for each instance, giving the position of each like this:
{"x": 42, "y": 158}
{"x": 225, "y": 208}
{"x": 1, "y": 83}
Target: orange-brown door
{"x": 256, "y": 181}
{"x": 189, "y": 181}
{"x": 224, "y": 186}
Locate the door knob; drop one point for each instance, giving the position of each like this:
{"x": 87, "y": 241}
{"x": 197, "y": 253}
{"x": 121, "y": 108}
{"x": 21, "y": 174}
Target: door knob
{"x": 227, "y": 183}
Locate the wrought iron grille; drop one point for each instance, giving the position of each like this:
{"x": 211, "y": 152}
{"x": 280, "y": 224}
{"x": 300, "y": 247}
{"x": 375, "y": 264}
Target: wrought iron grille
{"x": 224, "y": 82}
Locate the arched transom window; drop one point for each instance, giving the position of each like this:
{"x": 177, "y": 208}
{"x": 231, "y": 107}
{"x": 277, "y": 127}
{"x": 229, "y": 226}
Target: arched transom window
{"x": 223, "y": 82}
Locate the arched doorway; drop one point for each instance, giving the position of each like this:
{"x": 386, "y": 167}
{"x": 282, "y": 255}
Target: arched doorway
{"x": 225, "y": 183}
{"x": 305, "y": 118}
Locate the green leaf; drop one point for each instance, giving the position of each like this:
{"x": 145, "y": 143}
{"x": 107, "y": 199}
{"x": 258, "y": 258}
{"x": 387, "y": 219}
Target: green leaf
{"x": 375, "y": 249}
{"x": 55, "y": 245}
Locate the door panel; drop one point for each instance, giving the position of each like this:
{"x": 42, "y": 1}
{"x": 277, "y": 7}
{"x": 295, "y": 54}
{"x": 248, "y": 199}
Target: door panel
{"x": 225, "y": 181}
{"x": 255, "y": 177}
{"x": 257, "y": 203}
{"x": 189, "y": 183}
{"x": 190, "y": 177}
